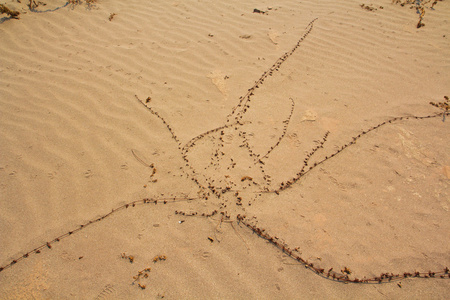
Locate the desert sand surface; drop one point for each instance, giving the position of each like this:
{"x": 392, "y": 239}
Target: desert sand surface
{"x": 111, "y": 102}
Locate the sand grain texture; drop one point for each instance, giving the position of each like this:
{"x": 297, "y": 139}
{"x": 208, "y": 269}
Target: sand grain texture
{"x": 70, "y": 123}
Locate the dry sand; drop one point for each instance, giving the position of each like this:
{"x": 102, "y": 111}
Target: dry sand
{"x": 69, "y": 121}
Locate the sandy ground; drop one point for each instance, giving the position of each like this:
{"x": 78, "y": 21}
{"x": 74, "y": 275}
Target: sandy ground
{"x": 76, "y": 143}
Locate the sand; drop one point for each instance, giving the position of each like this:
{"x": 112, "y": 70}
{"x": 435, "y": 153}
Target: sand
{"x": 76, "y": 143}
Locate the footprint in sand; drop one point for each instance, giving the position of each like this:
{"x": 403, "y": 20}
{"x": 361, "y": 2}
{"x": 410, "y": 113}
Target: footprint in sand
{"x": 88, "y": 174}
{"x": 218, "y": 79}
